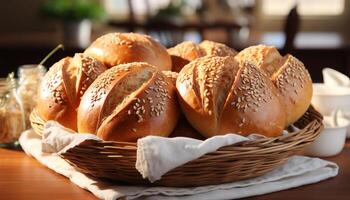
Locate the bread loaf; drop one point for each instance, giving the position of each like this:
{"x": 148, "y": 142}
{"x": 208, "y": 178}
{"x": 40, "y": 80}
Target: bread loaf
{"x": 288, "y": 74}
{"x": 187, "y": 51}
{"x": 127, "y": 102}
{"x": 219, "y": 95}
{"x": 63, "y": 86}
{"x": 118, "y": 48}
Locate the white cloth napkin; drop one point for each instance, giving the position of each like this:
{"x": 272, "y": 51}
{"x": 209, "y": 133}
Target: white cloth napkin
{"x": 158, "y": 155}
{"x": 297, "y": 171}
{"x": 58, "y": 139}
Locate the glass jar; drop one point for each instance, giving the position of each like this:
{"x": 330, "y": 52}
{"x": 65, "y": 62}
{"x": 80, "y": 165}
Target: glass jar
{"x": 11, "y": 112}
{"x": 30, "y": 77}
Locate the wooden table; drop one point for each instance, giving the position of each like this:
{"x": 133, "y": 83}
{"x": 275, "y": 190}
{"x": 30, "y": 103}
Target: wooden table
{"x": 22, "y": 177}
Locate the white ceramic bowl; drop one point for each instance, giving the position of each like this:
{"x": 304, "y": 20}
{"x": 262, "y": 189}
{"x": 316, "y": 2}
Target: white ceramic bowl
{"x": 331, "y": 140}
{"x": 327, "y": 98}
{"x": 348, "y": 131}
{"x": 333, "y": 77}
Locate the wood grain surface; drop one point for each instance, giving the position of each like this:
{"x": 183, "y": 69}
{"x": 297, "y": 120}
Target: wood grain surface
{"x": 22, "y": 177}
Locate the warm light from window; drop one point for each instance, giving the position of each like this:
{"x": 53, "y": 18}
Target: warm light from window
{"x": 305, "y": 7}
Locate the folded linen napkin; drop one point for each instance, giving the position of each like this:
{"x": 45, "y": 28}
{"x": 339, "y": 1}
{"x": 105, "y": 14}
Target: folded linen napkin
{"x": 155, "y": 155}
{"x": 297, "y": 171}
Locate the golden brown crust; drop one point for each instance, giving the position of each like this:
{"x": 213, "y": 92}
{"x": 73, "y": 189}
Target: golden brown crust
{"x": 288, "y": 74}
{"x": 171, "y": 75}
{"x": 187, "y": 51}
{"x": 62, "y": 87}
{"x": 216, "y": 49}
{"x": 128, "y": 102}
{"x": 53, "y": 102}
{"x": 119, "y": 48}
{"x": 253, "y": 105}
{"x": 89, "y": 69}
{"x": 220, "y": 95}
{"x": 183, "y": 53}
{"x": 295, "y": 86}
{"x": 265, "y": 57}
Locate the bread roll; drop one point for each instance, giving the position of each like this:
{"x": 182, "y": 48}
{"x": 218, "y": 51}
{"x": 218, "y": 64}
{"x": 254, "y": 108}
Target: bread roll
{"x": 288, "y": 74}
{"x": 118, "y": 48}
{"x": 216, "y": 49}
{"x": 219, "y": 95}
{"x": 187, "y": 51}
{"x": 183, "y": 53}
{"x": 63, "y": 86}
{"x": 127, "y": 102}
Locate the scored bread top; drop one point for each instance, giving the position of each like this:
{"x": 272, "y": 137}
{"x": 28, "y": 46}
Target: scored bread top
{"x": 63, "y": 85}
{"x": 54, "y": 101}
{"x": 90, "y": 69}
{"x": 214, "y": 90}
{"x": 53, "y": 87}
{"x": 288, "y": 74}
{"x": 93, "y": 100}
{"x": 295, "y": 85}
{"x": 81, "y": 71}
{"x": 204, "y": 84}
{"x": 127, "y": 102}
{"x": 188, "y": 51}
{"x": 256, "y": 104}
{"x": 265, "y": 57}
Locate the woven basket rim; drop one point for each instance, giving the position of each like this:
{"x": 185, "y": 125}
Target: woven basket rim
{"x": 116, "y": 160}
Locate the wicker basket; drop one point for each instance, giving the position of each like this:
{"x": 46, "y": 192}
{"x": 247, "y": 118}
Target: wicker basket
{"x": 116, "y": 160}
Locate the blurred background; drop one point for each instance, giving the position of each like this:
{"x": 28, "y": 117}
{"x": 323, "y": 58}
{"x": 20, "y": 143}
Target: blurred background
{"x": 315, "y": 31}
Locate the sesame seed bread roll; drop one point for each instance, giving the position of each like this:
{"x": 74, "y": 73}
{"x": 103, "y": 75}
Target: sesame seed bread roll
{"x": 187, "y": 51}
{"x": 216, "y": 49}
{"x": 62, "y": 87}
{"x": 219, "y": 95}
{"x": 119, "y": 48}
{"x": 127, "y": 102}
{"x": 288, "y": 74}
{"x": 183, "y": 53}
